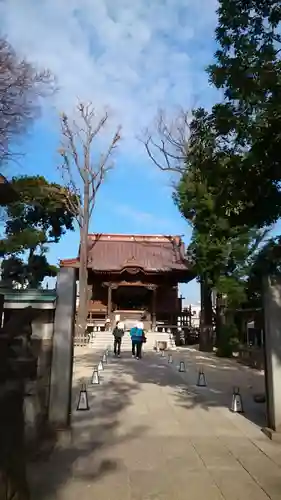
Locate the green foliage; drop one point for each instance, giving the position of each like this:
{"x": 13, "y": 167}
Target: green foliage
{"x": 233, "y": 287}
{"x": 231, "y": 187}
{"x": 267, "y": 262}
{"x": 222, "y": 244}
{"x": 40, "y": 216}
{"x": 229, "y": 341}
{"x": 248, "y": 70}
{"x": 41, "y": 213}
{"x": 27, "y": 274}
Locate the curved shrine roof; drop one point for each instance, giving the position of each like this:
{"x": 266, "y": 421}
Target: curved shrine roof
{"x": 113, "y": 252}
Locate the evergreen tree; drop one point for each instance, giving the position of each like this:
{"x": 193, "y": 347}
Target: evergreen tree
{"x": 248, "y": 70}
{"x": 40, "y": 216}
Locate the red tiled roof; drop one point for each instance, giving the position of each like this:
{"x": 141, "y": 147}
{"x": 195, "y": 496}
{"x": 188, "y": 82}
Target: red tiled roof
{"x": 109, "y": 252}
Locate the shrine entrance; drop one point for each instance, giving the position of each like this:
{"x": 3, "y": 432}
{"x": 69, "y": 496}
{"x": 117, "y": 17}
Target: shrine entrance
{"x": 132, "y": 298}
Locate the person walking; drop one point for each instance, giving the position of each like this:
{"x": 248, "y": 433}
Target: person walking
{"x": 137, "y": 336}
{"x": 118, "y": 333}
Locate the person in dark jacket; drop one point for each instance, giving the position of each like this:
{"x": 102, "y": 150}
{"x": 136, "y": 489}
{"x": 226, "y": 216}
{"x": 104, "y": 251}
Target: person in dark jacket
{"x": 137, "y": 340}
{"x": 118, "y": 333}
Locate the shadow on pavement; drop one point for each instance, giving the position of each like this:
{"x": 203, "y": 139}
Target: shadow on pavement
{"x": 218, "y": 392}
{"x": 98, "y": 430}
{"x": 92, "y": 432}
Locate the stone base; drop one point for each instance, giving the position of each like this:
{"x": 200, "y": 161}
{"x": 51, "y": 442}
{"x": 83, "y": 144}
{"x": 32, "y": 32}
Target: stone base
{"x": 272, "y": 435}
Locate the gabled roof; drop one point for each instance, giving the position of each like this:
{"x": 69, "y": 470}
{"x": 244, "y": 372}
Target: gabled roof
{"x": 151, "y": 253}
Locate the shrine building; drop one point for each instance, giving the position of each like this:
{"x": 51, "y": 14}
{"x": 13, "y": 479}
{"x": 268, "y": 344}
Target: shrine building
{"x": 134, "y": 277}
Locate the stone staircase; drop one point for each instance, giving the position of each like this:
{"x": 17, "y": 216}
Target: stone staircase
{"x": 101, "y": 340}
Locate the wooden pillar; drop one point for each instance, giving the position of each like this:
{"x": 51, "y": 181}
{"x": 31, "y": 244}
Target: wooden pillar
{"x": 153, "y": 315}
{"x": 109, "y": 301}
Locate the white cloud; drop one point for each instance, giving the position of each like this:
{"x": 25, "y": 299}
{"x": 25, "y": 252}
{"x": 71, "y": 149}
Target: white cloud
{"x": 132, "y": 55}
{"x": 142, "y": 218}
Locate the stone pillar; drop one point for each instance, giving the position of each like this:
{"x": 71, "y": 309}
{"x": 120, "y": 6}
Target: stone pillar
{"x": 272, "y": 341}
{"x": 62, "y": 354}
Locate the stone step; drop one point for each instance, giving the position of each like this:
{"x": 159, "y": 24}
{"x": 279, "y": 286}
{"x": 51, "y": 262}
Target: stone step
{"x": 101, "y": 340}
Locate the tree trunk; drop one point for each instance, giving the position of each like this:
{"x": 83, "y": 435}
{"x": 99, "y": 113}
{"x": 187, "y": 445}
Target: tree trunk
{"x": 82, "y": 312}
{"x": 206, "y": 318}
{"x": 220, "y": 318}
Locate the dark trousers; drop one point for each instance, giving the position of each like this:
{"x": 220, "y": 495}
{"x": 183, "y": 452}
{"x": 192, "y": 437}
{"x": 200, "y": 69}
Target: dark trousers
{"x": 136, "y": 348}
{"x": 117, "y": 345}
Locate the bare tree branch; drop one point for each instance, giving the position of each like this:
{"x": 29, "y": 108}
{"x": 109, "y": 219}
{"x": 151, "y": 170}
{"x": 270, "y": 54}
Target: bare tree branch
{"x": 167, "y": 145}
{"x": 104, "y": 166}
{"x": 21, "y": 87}
{"x": 78, "y": 136}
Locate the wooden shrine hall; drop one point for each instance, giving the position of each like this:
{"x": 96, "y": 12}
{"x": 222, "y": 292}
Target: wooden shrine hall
{"x": 135, "y": 277}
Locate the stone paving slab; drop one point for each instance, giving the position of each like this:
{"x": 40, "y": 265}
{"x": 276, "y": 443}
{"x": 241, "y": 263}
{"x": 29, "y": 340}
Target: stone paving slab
{"x": 221, "y": 372}
{"x": 217, "y": 395}
{"x": 146, "y": 436}
{"x": 221, "y": 376}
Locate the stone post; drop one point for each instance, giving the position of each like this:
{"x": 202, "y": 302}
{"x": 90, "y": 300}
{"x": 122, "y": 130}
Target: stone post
{"x": 62, "y": 355}
{"x": 272, "y": 341}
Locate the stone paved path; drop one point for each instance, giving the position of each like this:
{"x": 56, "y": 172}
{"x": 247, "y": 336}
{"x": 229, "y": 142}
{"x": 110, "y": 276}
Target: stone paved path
{"x": 221, "y": 375}
{"x": 146, "y": 437}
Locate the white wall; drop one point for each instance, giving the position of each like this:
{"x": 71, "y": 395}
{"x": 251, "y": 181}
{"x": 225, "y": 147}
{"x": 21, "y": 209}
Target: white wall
{"x": 195, "y": 318}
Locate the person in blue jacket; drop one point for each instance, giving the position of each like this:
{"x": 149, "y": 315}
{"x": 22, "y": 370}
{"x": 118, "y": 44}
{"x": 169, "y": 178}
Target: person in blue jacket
{"x": 137, "y": 339}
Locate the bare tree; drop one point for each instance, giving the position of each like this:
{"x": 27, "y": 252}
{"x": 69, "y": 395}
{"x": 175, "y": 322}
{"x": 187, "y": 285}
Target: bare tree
{"x": 84, "y": 173}
{"x": 167, "y": 144}
{"x": 21, "y": 87}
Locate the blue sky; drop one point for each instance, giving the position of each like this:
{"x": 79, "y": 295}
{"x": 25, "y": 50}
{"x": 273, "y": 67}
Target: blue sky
{"x": 133, "y": 56}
